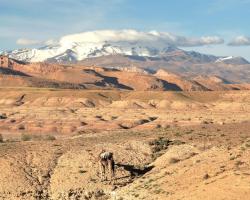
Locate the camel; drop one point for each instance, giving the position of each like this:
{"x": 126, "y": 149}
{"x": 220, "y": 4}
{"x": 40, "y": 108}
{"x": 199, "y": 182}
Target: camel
{"x": 106, "y": 163}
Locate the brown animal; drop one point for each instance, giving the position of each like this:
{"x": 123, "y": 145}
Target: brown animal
{"x": 106, "y": 163}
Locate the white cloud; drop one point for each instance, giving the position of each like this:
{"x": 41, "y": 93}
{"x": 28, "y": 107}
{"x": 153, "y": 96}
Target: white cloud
{"x": 240, "y": 41}
{"x": 153, "y": 38}
{"x": 28, "y": 42}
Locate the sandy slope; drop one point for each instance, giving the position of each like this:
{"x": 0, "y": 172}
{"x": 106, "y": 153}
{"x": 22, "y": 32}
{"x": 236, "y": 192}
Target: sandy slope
{"x": 167, "y": 145}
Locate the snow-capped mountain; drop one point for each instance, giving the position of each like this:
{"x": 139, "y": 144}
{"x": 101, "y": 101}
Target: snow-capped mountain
{"x": 137, "y": 52}
{"x": 80, "y": 51}
{"x": 78, "y": 47}
{"x": 87, "y": 45}
{"x": 73, "y": 52}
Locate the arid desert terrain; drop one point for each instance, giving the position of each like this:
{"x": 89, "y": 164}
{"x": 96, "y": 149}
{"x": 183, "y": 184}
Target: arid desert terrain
{"x": 124, "y": 100}
{"x": 166, "y": 144}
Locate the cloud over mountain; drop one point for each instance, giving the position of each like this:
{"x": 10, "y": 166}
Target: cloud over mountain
{"x": 240, "y": 41}
{"x": 151, "y": 38}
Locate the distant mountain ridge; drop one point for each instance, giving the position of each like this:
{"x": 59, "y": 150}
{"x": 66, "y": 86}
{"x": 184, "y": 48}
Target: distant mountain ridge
{"x": 135, "y": 53}
{"x": 78, "y": 47}
{"x": 78, "y": 76}
{"x": 77, "y": 52}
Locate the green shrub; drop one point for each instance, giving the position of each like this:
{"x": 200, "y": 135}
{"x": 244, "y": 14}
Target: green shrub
{"x": 160, "y": 144}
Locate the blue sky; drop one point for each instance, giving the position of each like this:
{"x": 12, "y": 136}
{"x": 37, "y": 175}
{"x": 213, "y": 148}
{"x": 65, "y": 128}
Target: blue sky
{"x": 38, "y": 20}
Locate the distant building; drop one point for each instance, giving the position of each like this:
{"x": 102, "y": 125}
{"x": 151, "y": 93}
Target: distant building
{"x": 5, "y": 61}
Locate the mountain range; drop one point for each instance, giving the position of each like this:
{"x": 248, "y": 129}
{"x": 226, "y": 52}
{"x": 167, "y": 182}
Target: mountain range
{"x": 78, "y": 76}
{"x": 149, "y": 54}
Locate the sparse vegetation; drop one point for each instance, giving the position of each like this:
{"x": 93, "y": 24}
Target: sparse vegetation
{"x": 50, "y": 137}
{"x": 72, "y": 156}
{"x": 160, "y": 144}
{"x": 25, "y": 137}
{"x": 29, "y": 137}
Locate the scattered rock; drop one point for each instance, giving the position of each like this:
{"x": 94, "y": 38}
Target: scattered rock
{"x": 206, "y": 176}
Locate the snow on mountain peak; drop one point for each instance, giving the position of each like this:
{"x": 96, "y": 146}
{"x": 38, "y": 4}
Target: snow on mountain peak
{"x": 232, "y": 60}
{"x": 225, "y": 58}
{"x": 77, "y": 47}
{"x": 99, "y": 43}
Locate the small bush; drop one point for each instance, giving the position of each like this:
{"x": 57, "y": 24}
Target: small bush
{"x": 26, "y": 137}
{"x": 160, "y": 144}
{"x": 50, "y": 137}
{"x": 174, "y": 160}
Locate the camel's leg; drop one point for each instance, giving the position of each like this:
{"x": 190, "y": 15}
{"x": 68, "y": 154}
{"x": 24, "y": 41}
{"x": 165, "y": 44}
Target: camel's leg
{"x": 112, "y": 170}
{"x": 102, "y": 170}
{"x": 105, "y": 171}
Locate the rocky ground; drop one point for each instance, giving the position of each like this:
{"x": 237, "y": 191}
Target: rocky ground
{"x": 166, "y": 145}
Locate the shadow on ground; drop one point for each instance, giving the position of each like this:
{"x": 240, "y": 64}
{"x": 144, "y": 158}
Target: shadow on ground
{"x": 134, "y": 171}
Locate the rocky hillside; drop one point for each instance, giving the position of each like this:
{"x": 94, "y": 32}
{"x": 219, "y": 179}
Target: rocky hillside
{"x": 92, "y": 77}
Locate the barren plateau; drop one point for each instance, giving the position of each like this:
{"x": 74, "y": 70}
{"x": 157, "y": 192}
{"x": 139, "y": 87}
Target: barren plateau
{"x": 166, "y": 145}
